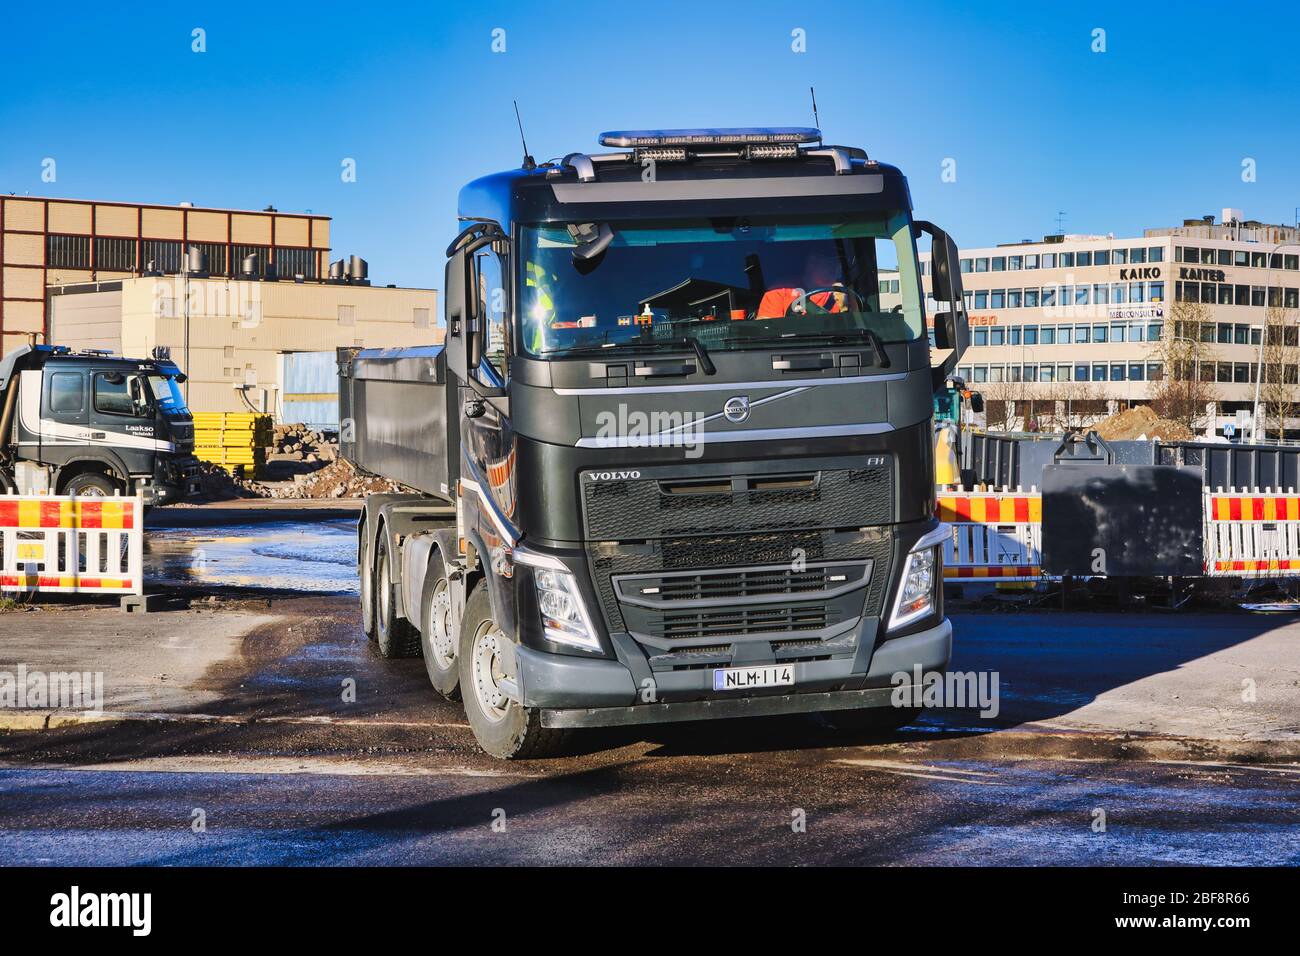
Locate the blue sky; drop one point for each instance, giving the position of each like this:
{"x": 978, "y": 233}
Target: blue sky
{"x": 1148, "y": 132}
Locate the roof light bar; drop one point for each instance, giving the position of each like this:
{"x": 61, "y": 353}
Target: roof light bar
{"x": 746, "y": 136}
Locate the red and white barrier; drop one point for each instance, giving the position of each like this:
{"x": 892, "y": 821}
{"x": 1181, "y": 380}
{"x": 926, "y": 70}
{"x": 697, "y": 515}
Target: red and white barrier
{"x": 66, "y": 545}
{"x": 1252, "y": 533}
{"x": 996, "y": 535}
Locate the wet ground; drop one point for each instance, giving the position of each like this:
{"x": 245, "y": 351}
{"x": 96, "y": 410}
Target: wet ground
{"x": 1119, "y": 739}
{"x": 311, "y": 557}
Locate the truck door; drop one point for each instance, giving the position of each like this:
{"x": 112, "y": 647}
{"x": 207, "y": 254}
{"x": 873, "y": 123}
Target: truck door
{"x": 490, "y": 439}
{"x": 122, "y": 416}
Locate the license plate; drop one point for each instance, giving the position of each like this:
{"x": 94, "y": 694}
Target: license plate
{"x": 749, "y": 678}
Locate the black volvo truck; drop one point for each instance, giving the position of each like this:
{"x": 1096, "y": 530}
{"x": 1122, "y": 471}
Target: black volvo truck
{"x": 93, "y": 423}
{"x": 674, "y": 458}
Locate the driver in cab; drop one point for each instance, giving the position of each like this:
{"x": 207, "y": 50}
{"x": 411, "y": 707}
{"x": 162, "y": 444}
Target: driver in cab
{"x": 821, "y": 279}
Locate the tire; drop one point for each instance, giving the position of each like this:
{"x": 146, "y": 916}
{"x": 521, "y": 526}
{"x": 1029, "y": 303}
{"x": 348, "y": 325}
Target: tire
{"x": 504, "y": 728}
{"x": 879, "y": 720}
{"x": 91, "y": 484}
{"x": 394, "y": 635}
{"x": 438, "y": 634}
{"x": 366, "y": 575}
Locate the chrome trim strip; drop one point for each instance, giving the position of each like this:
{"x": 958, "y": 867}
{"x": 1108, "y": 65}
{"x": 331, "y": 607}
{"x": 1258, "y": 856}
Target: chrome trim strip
{"x": 511, "y": 538}
{"x": 724, "y": 386}
{"x": 744, "y": 434}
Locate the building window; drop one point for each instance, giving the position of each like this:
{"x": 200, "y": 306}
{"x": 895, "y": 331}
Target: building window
{"x": 1121, "y": 257}
{"x": 1047, "y": 335}
{"x": 1138, "y": 255}
{"x": 1013, "y": 335}
{"x": 1064, "y": 334}
{"x": 1031, "y": 262}
{"x": 1099, "y": 333}
{"x": 1067, "y": 260}
{"x": 997, "y": 336}
{"x": 982, "y": 265}
{"x": 980, "y": 373}
{"x": 1259, "y": 260}
{"x": 1014, "y": 298}
{"x": 1225, "y": 257}
{"x": 982, "y": 300}
{"x": 1292, "y": 262}
{"x": 161, "y": 255}
{"x": 114, "y": 255}
{"x": 1081, "y": 335}
{"x": 998, "y": 299}
{"x": 1048, "y": 297}
{"x": 965, "y": 265}
{"x": 1081, "y": 373}
{"x": 67, "y": 252}
{"x": 999, "y": 263}
{"x": 1082, "y": 295}
{"x": 1155, "y": 292}
{"x": 980, "y": 336}
{"x": 1031, "y": 298}
{"x": 1101, "y": 257}
{"x": 1117, "y": 372}
{"x": 1049, "y": 260}
{"x": 1014, "y": 263}
{"x": 1084, "y": 259}
{"x": 1098, "y": 372}
{"x": 1031, "y": 335}
{"x": 1155, "y": 253}
{"x": 1101, "y": 294}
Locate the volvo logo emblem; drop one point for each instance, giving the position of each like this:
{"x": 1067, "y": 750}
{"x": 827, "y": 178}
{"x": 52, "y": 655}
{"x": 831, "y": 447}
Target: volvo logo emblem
{"x": 736, "y": 409}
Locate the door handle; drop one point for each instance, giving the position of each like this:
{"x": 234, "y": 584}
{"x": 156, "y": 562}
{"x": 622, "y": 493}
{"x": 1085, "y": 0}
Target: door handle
{"x": 658, "y": 369}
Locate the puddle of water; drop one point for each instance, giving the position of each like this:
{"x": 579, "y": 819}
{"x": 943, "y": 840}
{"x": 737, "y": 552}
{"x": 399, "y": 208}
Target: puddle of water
{"x": 316, "y": 557}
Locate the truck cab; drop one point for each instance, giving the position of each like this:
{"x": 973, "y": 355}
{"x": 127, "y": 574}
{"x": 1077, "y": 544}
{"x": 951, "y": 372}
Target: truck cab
{"x": 94, "y": 423}
{"x": 689, "y": 449}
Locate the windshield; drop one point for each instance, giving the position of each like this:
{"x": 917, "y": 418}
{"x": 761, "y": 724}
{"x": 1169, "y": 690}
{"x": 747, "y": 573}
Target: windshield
{"x": 731, "y": 283}
{"x": 166, "y": 393}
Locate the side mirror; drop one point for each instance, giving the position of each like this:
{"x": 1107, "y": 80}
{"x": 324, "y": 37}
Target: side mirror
{"x": 458, "y": 321}
{"x": 976, "y": 402}
{"x": 591, "y": 239}
{"x": 951, "y": 328}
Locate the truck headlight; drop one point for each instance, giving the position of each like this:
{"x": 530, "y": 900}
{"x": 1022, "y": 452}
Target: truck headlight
{"x": 917, "y": 590}
{"x": 564, "y": 618}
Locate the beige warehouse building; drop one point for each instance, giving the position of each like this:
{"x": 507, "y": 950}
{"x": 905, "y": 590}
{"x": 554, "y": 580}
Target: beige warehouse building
{"x": 110, "y": 275}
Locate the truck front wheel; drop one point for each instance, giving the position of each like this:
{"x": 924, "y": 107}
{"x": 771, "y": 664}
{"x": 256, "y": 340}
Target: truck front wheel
{"x": 395, "y": 635}
{"x": 502, "y": 726}
{"x": 91, "y": 484}
{"x": 438, "y": 636}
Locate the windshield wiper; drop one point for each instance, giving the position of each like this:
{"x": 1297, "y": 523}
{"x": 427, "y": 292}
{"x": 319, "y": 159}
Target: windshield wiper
{"x": 685, "y": 341}
{"x": 869, "y": 336}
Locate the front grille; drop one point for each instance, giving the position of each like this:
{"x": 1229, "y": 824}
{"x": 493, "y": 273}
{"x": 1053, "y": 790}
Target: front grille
{"x": 666, "y": 507}
{"x": 741, "y": 570}
{"x": 737, "y": 622}
{"x": 743, "y": 585}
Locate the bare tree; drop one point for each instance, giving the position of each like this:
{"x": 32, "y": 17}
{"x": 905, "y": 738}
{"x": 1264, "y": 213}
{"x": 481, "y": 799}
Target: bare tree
{"x": 1279, "y": 393}
{"x": 1186, "y": 385}
{"x": 999, "y": 404}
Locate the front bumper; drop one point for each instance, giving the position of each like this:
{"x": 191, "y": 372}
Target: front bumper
{"x": 174, "y": 480}
{"x": 578, "y": 692}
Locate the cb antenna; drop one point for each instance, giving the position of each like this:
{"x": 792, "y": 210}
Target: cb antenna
{"x": 529, "y": 162}
{"x": 816, "y": 121}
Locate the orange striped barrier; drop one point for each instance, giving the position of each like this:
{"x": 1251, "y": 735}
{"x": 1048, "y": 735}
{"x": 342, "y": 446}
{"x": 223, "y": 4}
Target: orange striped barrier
{"x": 996, "y": 535}
{"x": 1252, "y": 533}
{"x": 71, "y": 545}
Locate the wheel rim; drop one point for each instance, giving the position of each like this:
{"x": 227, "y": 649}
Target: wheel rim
{"x": 488, "y": 672}
{"x": 91, "y": 491}
{"x": 444, "y": 649}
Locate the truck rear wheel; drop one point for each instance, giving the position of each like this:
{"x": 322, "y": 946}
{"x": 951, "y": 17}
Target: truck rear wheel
{"x": 91, "y": 484}
{"x": 502, "y": 726}
{"x": 395, "y": 635}
{"x": 366, "y": 577}
{"x": 438, "y": 636}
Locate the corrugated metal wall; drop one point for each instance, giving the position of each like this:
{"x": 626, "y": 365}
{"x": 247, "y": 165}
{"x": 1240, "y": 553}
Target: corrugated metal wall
{"x": 310, "y": 390}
